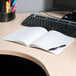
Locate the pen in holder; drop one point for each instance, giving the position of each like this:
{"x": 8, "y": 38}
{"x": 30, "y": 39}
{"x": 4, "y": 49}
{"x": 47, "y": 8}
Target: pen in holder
{"x": 7, "y": 10}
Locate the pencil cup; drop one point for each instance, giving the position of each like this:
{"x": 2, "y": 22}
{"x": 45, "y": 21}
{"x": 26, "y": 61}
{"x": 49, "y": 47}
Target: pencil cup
{"x": 7, "y": 10}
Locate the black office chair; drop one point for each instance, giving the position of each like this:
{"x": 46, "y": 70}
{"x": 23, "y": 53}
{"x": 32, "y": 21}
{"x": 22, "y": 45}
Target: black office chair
{"x": 15, "y": 65}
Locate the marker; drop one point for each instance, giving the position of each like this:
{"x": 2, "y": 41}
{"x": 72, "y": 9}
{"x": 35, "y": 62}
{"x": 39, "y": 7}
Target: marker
{"x": 14, "y": 7}
{"x": 10, "y": 9}
{"x": 13, "y": 3}
{"x": 7, "y": 7}
{"x": 9, "y": 1}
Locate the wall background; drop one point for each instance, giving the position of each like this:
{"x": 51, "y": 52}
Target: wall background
{"x": 33, "y": 5}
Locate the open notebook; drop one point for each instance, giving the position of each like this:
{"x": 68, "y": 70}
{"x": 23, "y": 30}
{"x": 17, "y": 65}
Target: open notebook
{"x": 38, "y": 37}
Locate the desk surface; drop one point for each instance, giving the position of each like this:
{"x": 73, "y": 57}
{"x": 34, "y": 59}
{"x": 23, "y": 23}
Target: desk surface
{"x": 63, "y": 64}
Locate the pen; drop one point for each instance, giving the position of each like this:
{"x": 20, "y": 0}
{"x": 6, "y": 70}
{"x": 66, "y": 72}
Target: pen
{"x": 14, "y": 7}
{"x": 54, "y": 48}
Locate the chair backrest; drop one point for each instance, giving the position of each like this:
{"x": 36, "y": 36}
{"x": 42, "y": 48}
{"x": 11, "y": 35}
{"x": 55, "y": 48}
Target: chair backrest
{"x": 19, "y": 66}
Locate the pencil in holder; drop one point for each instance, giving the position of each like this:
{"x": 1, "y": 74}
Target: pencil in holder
{"x": 7, "y": 10}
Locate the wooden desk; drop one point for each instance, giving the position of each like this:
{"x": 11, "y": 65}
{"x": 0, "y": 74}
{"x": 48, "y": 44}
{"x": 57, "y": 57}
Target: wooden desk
{"x": 63, "y": 64}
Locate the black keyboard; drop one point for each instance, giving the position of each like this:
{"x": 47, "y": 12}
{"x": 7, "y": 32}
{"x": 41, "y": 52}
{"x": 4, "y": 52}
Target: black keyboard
{"x": 51, "y": 23}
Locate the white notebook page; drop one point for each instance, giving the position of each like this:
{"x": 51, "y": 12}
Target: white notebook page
{"x": 53, "y": 39}
{"x": 26, "y": 35}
